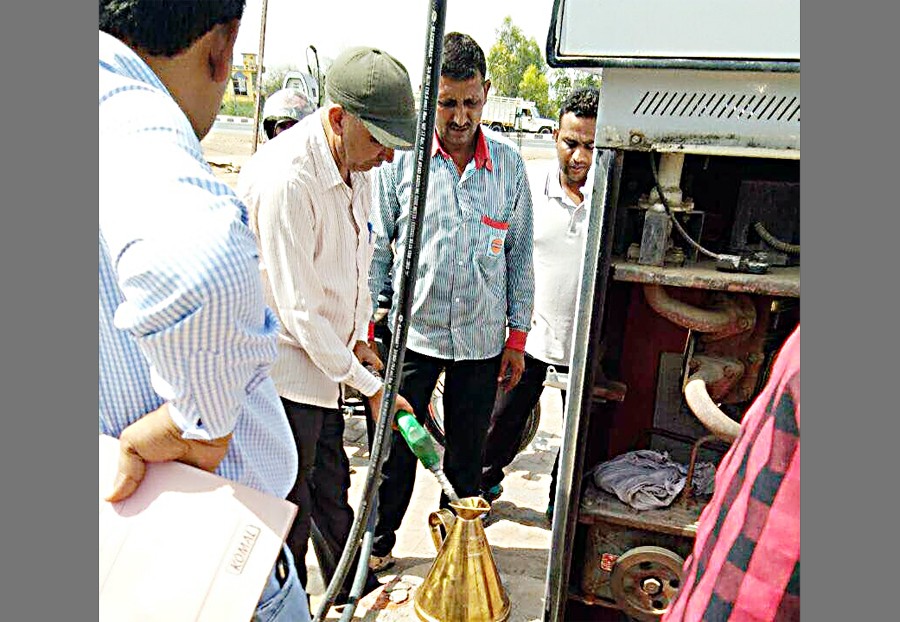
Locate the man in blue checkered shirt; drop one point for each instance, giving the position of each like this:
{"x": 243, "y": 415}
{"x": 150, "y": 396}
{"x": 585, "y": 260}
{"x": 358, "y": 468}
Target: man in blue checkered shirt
{"x": 186, "y": 341}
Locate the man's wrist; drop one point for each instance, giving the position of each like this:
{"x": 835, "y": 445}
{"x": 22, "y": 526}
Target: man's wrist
{"x": 363, "y": 380}
{"x": 516, "y": 340}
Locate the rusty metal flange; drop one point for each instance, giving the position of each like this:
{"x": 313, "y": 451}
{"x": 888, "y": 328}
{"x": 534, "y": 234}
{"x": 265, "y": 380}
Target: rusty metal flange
{"x": 645, "y": 581}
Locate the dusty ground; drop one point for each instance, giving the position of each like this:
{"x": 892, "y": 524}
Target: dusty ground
{"x": 226, "y": 153}
{"x": 517, "y": 530}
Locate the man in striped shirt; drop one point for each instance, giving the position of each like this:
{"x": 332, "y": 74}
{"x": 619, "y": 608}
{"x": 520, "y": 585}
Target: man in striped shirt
{"x": 474, "y": 286}
{"x": 185, "y": 339}
{"x": 309, "y": 194}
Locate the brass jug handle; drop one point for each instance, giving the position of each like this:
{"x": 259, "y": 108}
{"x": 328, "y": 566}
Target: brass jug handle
{"x": 442, "y": 518}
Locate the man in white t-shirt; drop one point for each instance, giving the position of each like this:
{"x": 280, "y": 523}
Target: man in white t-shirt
{"x": 561, "y": 201}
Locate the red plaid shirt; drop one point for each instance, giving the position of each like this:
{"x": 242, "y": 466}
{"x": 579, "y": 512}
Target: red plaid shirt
{"x": 746, "y": 560}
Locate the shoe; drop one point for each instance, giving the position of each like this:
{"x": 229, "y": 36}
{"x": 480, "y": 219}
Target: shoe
{"x": 556, "y": 380}
{"x": 378, "y": 563}
{"x": 492, "y": 494}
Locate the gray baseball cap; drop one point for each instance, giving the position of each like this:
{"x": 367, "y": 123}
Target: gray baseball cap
{"x": 374, "y": 86}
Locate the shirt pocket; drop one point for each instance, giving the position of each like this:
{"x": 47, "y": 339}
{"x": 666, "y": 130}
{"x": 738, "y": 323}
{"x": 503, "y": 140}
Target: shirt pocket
{"x": 493, "y": 237}
{"x": 489, "y": 255}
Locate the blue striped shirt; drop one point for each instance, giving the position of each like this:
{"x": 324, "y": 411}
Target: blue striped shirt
{"x": 475, "y": 276}
{"x": 182, "y": 314}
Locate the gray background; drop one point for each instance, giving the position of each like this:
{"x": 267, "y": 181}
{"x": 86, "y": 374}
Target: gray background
{"x": 849, "y": 213}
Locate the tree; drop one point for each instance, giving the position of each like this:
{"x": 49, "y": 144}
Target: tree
{"x": 510, "y": 57}
{"x": 564, "y": 81}
{"x": 534, "y": 87}
{"x": 561, "y": 86}
{"x": 586, "y": 78}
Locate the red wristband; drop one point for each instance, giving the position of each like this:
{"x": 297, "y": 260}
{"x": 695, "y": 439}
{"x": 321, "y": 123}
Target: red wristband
{"x": 371, "y": 331}
{"x": 516, "y": 340}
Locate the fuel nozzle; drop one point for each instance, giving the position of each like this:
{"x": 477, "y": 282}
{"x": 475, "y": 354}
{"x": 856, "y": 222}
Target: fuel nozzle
{"x": 424, "y": 448}
{"x": 419, "y": 440}
{"x": 416, "y": 436}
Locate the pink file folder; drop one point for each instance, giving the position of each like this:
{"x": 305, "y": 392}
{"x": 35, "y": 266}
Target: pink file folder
{"x": 188, "y": 545}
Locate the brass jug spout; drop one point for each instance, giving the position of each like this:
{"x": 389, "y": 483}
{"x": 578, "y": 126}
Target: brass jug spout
{"x": 463, "y": 584}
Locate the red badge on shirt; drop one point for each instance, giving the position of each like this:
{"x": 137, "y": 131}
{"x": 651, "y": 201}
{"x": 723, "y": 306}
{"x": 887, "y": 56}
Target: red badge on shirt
{"x": 499, "y": 229}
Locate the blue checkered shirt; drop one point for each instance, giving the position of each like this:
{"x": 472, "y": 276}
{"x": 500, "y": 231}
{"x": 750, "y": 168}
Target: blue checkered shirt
{"x": 182, "y": 314}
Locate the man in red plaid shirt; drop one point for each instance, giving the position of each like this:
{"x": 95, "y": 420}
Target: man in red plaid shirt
{"x": 746, "y": 560}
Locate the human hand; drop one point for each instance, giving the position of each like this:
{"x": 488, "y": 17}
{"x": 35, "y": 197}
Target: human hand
{"x": 511, "y": 367}
{"x": 400, "y": 403}
{"x": 155, "y": 438}
{"x": 366, "y": 353}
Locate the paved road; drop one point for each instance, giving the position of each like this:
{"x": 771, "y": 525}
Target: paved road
{"x": 241, "y": 126}
{"x": 233, "y": 124}
{"x": 529, "y": 141}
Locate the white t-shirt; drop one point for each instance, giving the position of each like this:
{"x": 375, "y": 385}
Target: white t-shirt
{"x": 559, "y": 232}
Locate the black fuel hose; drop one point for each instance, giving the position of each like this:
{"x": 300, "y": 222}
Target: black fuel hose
{"x": 383, "y": 429}
{"x": 771, "y": 240}
{"x": 362, "y": 569}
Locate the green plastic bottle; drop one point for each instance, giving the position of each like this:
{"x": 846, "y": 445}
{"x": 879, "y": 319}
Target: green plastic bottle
{"x": 419, "y": 440}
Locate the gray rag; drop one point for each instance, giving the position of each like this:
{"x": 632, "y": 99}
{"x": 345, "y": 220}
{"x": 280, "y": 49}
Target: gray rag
{"x": 647, "y": 479}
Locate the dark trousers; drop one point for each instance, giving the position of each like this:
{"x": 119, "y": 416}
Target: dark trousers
{"x": 323, "y": 479}
{"x": 508, "y": 419}
{"x": 469, "y": 390}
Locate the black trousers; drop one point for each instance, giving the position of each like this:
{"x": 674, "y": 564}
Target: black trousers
{"x": 469, "y": 391}
{"x": 320, "y": 492}
{"x": 508, "y": 419}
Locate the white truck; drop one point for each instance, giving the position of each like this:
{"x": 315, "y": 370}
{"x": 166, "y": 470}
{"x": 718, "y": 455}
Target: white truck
{"x": 508, "y": 114}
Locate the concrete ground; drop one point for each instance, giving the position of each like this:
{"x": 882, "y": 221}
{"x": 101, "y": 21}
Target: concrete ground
{"x": 518, "y": 530}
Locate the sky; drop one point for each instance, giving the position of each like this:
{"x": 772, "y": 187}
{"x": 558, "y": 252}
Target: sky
{"x": 396, "y": 26}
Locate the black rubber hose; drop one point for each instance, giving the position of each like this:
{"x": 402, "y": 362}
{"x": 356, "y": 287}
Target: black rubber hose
{"x": 662, "y": 198}
{"x": 383, "y": 428}
{"x": 771, "y": 240}
{"x": 362, "y": 569}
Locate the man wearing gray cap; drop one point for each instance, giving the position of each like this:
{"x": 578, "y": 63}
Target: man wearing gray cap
{"x": 309, "y": 195}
